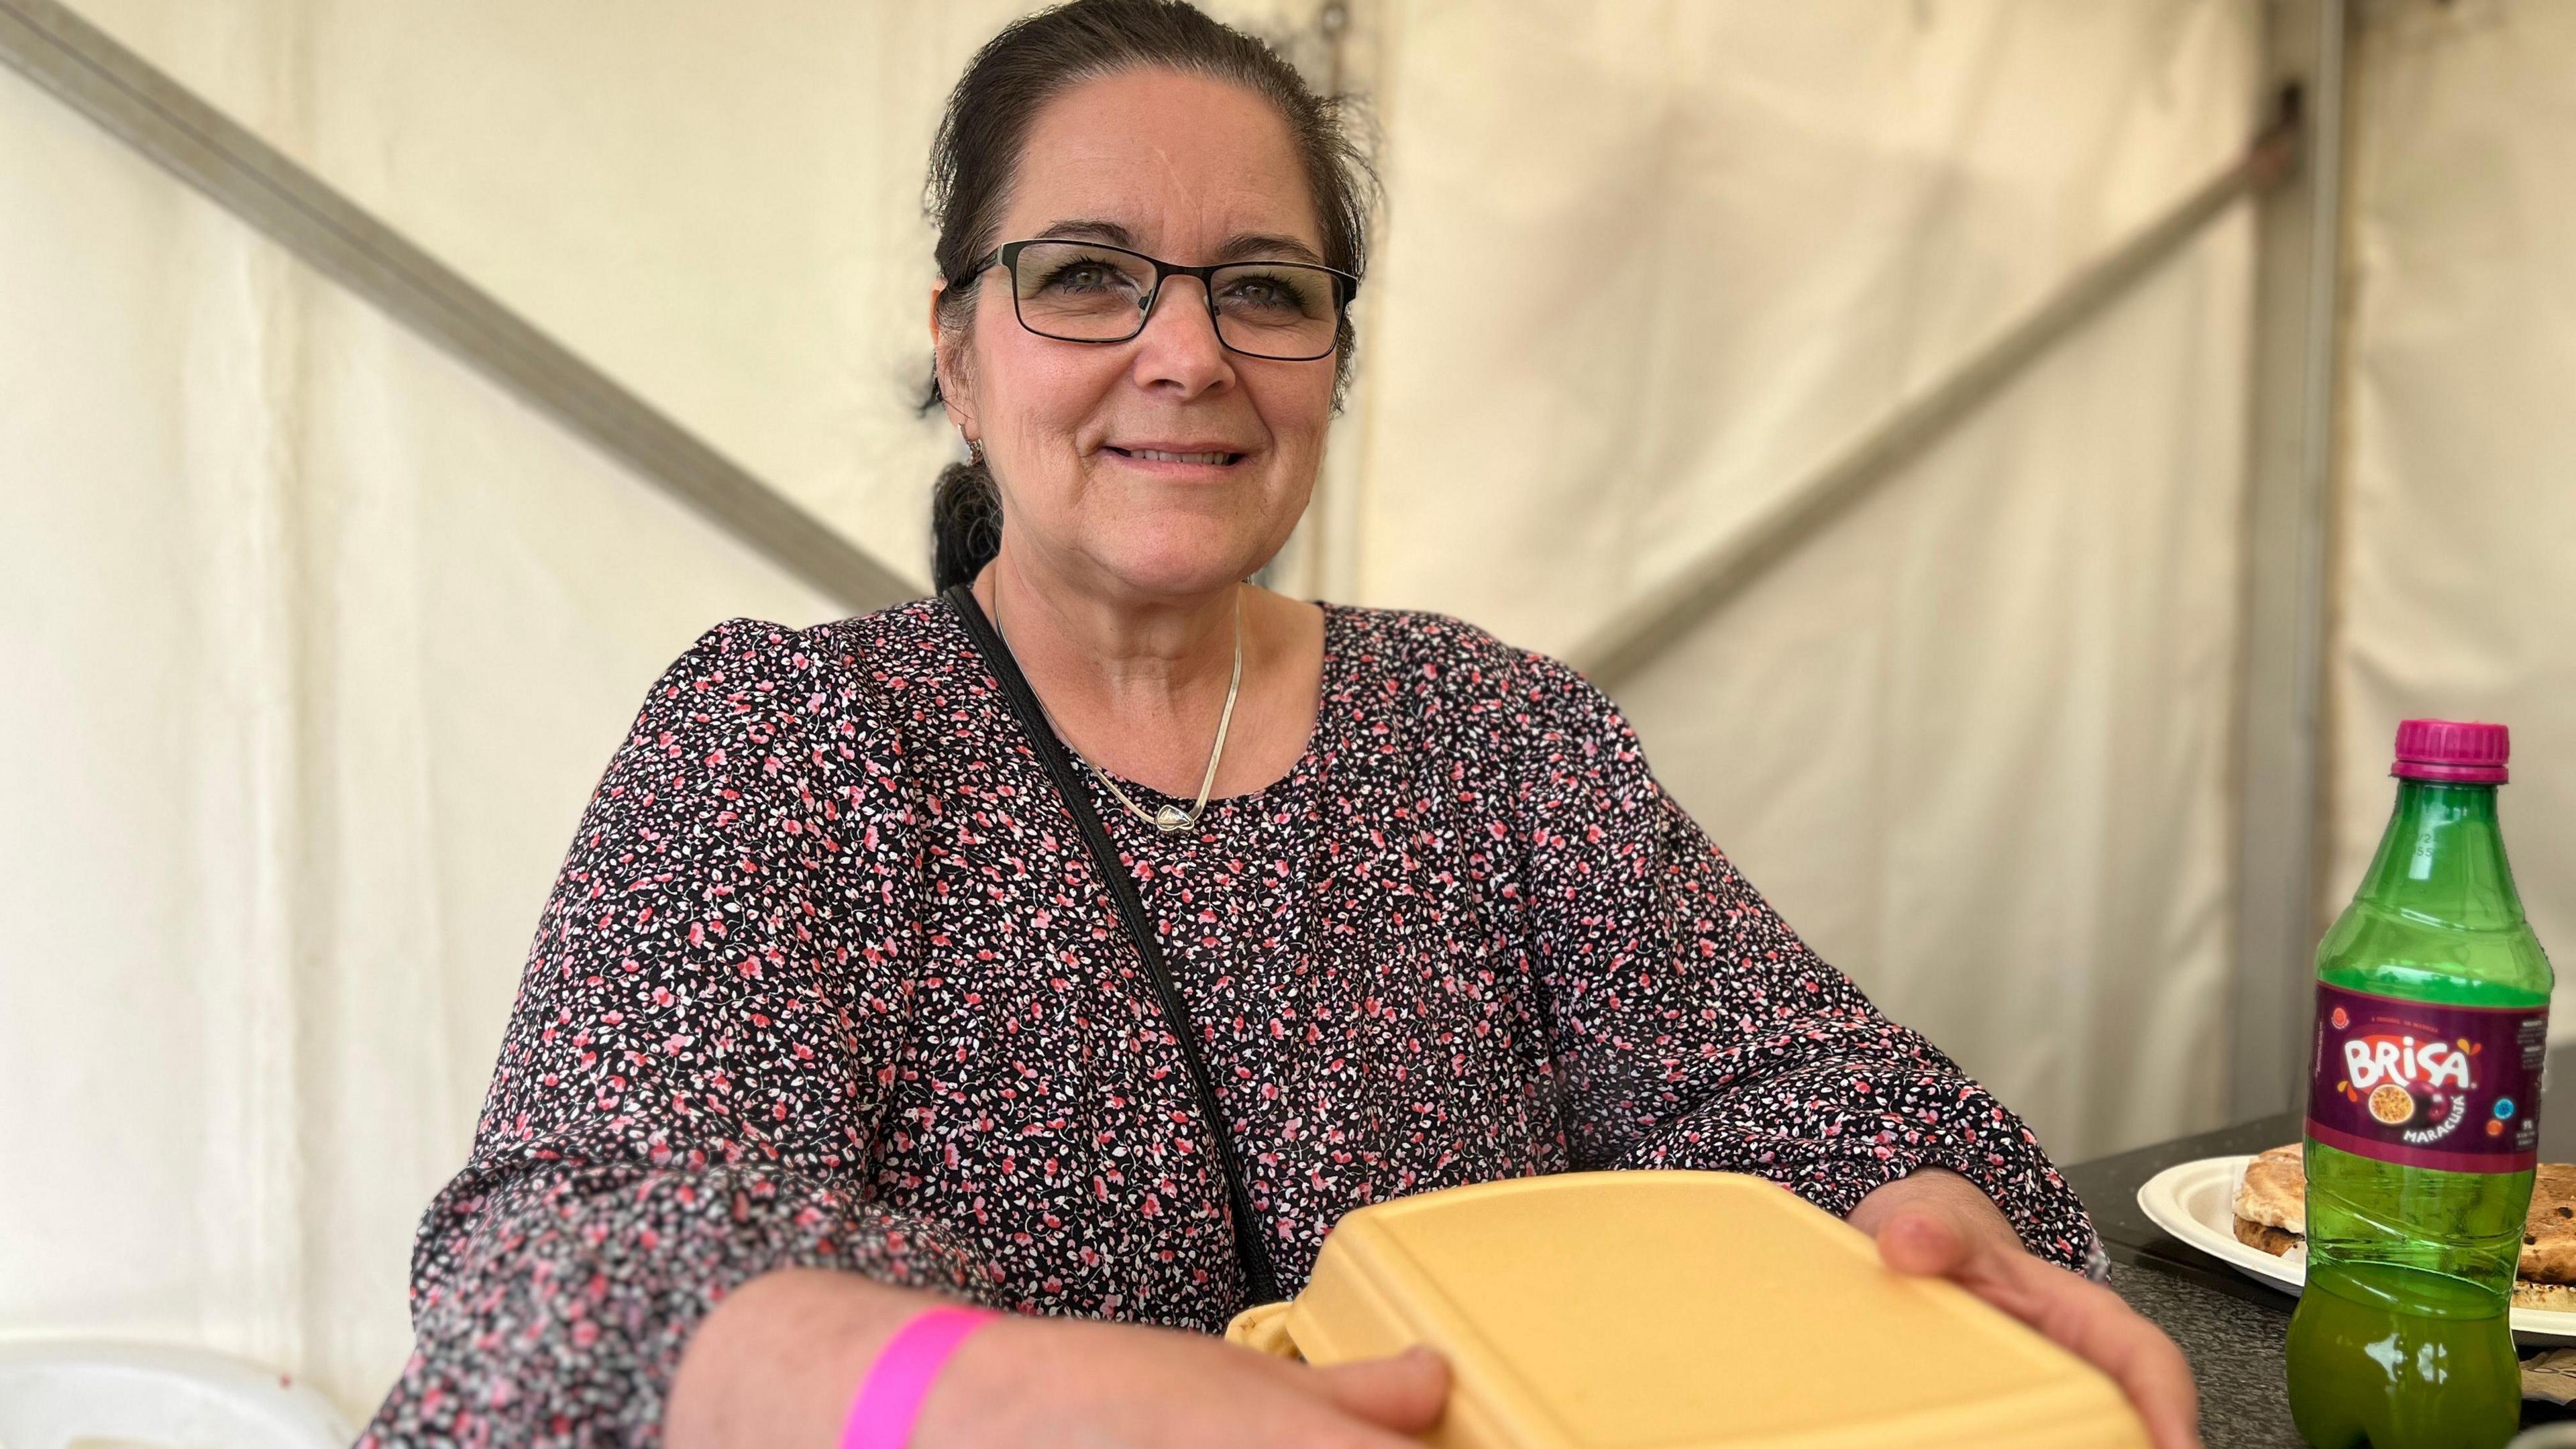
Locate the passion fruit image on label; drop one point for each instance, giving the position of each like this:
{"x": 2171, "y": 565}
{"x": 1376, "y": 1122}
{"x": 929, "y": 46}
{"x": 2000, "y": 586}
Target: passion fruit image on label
{"x": 2392, "y": 1104}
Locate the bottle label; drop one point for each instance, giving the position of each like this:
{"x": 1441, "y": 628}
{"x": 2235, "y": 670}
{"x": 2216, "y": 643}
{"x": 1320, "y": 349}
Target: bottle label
{"x": 2422, "y": 1085}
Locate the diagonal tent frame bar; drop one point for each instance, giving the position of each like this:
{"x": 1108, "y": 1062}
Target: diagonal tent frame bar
{"x": 1645, "y": 628}
{"x": 111, "y": 85}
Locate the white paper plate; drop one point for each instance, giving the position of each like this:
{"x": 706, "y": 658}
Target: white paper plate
{"x": 2196, "y": 1202}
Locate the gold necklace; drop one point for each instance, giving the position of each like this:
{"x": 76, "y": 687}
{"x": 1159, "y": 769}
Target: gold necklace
{"x": 1171, "y": 819}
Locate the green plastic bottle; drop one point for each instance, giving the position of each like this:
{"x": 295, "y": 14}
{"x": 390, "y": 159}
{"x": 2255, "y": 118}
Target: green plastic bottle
{"x": 2423, "y": 1121}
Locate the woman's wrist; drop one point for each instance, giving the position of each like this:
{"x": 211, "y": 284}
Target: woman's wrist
{"x": 778, "y": 1362}
{"x": 978, "y": 1396}
{"x": 890, "y": 1396}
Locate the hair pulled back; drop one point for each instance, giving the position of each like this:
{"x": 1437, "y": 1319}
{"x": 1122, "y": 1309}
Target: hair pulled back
{"x": 986, "y": 126}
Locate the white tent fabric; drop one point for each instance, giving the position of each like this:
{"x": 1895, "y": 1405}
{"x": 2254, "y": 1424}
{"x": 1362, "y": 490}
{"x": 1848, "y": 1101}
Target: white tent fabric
{"x": 1973, "y": 742}
{"x": 315, "y": 644}
{"x": 2456, "y": 541}
{"x": 321, "y": 640}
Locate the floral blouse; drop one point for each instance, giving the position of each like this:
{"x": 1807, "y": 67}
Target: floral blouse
{"x": 828, "y": 980}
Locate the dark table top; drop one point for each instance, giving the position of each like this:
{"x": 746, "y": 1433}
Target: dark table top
{"x": 2231, "y": 1326}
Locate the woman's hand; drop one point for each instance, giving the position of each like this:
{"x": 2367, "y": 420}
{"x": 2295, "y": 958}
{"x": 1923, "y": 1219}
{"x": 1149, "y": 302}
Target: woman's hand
{"x": 1938, "y": 1224}
{"x": 1042, "y": 1381}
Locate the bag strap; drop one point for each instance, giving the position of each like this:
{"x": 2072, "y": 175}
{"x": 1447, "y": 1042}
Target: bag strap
{"x": 1251, "y": 1253}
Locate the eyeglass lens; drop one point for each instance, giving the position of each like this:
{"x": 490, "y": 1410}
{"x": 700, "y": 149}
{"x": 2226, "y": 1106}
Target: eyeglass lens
{"x": 1084, "y": 293}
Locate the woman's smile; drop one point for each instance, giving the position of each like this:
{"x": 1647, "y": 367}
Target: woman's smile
{"x": 1178, "y": 460}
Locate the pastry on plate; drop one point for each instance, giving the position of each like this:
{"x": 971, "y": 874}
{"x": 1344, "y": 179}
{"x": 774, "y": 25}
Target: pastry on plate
{"x": 2549, "y": 1232}
{"x": 2272, "y": 1201}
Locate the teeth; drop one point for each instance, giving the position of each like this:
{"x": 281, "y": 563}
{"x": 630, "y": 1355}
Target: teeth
{"x": 1152, "y": 456}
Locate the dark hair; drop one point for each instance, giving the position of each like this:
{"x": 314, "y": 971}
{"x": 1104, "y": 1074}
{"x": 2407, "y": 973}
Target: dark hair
{"x": 1016, "y": 74}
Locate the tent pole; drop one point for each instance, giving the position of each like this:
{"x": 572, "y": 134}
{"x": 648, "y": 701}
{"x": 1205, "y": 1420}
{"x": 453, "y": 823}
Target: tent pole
{"x": 173, "y": 127}
{"x": 1667, "y": 612}
{"x": 2280, "y": 748}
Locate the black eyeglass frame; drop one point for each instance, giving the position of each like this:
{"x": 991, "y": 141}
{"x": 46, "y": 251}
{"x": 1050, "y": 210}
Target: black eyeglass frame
{"x": 1007, "y": 256}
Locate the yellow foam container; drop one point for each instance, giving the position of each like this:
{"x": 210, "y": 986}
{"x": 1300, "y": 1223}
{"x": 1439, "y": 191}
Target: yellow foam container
{"x": 1675, "y": 1310}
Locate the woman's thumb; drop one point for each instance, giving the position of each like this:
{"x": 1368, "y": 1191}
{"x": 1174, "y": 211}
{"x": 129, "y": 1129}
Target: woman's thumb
{"x": 1404, "y": 1393}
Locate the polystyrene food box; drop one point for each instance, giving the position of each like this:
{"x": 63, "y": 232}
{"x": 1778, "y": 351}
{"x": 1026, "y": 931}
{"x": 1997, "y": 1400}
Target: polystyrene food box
{"x": 1676, "y": 1310}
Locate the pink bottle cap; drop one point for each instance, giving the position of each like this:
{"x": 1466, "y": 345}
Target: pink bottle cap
{"x": 2455, "y": 752}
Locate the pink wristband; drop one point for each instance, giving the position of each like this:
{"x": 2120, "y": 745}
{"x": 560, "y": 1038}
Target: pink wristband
{"x": 890, "y": 1397}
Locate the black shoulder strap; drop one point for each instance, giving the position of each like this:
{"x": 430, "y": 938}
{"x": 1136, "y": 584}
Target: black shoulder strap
{"x": 1251, "y": 1251}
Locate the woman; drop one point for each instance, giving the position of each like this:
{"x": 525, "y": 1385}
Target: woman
{"x": 833, "y": 1016}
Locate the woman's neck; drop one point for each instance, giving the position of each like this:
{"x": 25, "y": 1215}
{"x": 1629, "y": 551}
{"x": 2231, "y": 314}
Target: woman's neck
{"x": 1109, "y": 649}
{"x": 1137, "y": 685}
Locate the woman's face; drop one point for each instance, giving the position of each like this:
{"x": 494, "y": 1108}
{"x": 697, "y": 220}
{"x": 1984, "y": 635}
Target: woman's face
{"x": 1181, "y": 166}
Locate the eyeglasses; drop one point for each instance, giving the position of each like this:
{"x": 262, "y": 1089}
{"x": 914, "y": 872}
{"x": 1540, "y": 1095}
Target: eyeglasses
{"x": 1080, "y": 291}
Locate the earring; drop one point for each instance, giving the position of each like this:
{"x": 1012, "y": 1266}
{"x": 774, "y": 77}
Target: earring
{"x": 975, "y": 451}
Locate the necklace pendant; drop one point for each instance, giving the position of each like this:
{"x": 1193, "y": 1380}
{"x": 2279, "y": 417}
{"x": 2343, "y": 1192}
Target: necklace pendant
{"x": 1171, "y": 820}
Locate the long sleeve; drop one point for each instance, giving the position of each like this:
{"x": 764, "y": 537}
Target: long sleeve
{"x": 689, "y": 1088}
{"x": 1693, "y": 1029}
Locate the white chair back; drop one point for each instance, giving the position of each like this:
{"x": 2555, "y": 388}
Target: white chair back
{"x": 56, "y": 1395}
